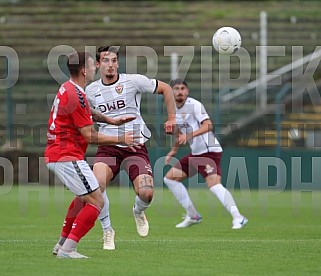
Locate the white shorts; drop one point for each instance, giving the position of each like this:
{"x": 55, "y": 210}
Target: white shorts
{"x": 76, "y": 176}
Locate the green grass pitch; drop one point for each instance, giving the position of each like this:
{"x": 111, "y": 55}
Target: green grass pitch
{"x": 283, "y": 236}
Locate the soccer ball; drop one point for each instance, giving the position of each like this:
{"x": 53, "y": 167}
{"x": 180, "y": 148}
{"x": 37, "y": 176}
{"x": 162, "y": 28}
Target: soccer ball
{"x": 226, "y": 40}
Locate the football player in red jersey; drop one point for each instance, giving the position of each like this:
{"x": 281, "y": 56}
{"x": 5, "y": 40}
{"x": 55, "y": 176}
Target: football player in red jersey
{"x": 70, "y": 130}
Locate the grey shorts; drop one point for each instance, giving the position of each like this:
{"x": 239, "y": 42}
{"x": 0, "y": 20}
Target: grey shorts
{"x": 76, "y": 176}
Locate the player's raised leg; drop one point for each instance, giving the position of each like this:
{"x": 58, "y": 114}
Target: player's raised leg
{"x": 227, "y": 200}
{"x": 144, "y": 188}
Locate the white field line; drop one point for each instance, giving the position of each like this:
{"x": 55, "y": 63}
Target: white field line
{"x": 182, "y": 241}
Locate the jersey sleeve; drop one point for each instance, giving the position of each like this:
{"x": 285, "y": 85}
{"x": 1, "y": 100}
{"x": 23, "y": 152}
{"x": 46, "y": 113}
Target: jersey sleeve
{"x": 200, "y": 112}
{"x": 144, "y": 84}
{"x": 90, "y": 96}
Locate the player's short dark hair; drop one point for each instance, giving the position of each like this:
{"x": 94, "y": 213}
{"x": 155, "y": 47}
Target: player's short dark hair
{"x": 178, "y": 81}
{"x": 77, "y": 61}
{"x": 107, "y": 48}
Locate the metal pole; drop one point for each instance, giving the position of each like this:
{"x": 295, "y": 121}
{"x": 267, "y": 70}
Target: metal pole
{"x": 263, "y": 59}
{"x": 174, "y": 62}
{"x": 9, "y": 112}
{"x": 217, "y": 120}
{"x": 218, "y": 113}
{"x": 278, "y": 118}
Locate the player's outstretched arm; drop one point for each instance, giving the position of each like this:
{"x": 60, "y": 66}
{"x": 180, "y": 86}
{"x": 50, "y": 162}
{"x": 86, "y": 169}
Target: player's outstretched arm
{"x": 102, "y": 118}
{"x": 166, "y": 90}
{"x": 93, "y": 137}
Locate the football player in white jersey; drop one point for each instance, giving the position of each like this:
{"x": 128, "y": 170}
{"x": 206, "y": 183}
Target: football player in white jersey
{"x": 195, "y": 128}
{"x": 116, "y": 95}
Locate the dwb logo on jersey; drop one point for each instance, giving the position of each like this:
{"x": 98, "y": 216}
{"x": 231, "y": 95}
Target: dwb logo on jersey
{"x": 119, "y": 88}
{"x": 115, "y": 105}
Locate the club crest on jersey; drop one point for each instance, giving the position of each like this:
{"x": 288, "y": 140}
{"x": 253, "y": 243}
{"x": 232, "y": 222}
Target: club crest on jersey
{"x": 119, "y": 88}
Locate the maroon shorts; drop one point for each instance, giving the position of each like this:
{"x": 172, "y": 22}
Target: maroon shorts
{"x": 134, "y": 163}
{"x": 205, "y": 164}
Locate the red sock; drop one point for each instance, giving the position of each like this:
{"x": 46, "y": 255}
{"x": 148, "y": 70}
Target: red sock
{"x": 84, "y": 222}
{"x": 75, "y": 207}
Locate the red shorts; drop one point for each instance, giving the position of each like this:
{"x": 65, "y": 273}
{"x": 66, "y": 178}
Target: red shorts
{"x": 205, "y": 164}
{"x": 134, "y": 163}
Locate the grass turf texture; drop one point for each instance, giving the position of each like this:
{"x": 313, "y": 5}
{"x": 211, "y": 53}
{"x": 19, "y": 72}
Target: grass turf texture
{"x": 282, "y": 237}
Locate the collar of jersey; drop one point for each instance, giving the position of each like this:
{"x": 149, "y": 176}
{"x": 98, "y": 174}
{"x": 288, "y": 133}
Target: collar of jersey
{"x": 79, "y": 87}
{"x": 108, "y": 84}
{"x": 183, "y": 104}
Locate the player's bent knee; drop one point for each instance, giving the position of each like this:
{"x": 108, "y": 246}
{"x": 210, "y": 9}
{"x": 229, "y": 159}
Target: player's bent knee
{"x": 146, "y": 195}
{"x": 168, "y": 176}
{"x": 175, "y": 174}
{"x": 94, "y": 198}
{"x": 100, "y": 203}
{"x": 144, "y": 187}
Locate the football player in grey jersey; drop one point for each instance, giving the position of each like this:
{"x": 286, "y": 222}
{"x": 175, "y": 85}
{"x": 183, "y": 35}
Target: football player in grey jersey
{"x": 195, "y": 128}
{"x": 116, "y": 95}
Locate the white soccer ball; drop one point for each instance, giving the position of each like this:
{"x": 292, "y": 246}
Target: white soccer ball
{"x": 226, "y": 40}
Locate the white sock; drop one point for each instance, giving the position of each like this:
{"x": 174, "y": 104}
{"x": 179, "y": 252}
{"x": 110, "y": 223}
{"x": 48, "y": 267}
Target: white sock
{"x": 181, "y": 194}
{"x": 226, "y": 199}
{"x": 104, "y": 213}
{"x": 69, "y": 245}
{"x": 140, "y": 205}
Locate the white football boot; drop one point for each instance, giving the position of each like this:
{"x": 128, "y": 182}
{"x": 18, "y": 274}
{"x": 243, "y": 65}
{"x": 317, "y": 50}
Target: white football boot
{"x": 142, "y": 225}
{"x": 188, "y": 221}
{"x": 239, "y": 223}
{"x": 70, "y": 255}
{"x": 109, "y": 239}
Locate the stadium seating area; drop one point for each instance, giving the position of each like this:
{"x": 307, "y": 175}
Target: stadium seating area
{"x": 33, "y": 29}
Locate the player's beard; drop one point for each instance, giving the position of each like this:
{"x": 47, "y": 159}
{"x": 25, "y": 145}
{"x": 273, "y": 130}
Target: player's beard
{"x": 180, "y": 99}
{"x": 109, "y": 73}
{"x": 110, "y": 76}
